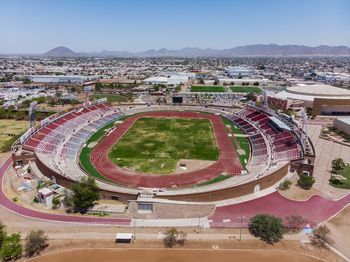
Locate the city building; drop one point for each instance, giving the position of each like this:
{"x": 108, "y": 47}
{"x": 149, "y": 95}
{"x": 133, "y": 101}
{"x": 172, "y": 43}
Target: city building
{"x": 324, "y": 99}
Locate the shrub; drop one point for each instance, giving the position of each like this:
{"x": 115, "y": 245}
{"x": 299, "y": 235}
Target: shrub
{"x": 306, "y": 182}
{"x": 294, "y": 223}
{"x": 267, "y": 227}
{"x": 285, "y": 185}
{"x": 337, "y": 165}
{"x": 11, "y": 248}
{"x": 35, "y": 242}
{"x": 174, "y": 237}
{"x": 320, "y": 237}
{"x": 56, "y": 203}
{"x": 3, "y": 234}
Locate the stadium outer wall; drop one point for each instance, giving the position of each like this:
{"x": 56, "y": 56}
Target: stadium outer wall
{"x": 214, "y": 195}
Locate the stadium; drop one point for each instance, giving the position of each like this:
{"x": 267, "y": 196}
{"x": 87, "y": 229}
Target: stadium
{"x": 166, "y": 154}
{"x": 323, "y": 99}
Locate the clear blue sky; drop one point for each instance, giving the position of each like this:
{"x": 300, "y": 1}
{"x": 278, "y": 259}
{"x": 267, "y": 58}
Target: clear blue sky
{"x": 34, "y": 26}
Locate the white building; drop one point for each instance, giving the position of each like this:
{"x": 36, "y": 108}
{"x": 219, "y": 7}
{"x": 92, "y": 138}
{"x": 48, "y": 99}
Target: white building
{"x": 58, "y": 79}
{"x": 45, "y": 196}
{"x": 169, "y": 78}
{"x": 238, "y": 71}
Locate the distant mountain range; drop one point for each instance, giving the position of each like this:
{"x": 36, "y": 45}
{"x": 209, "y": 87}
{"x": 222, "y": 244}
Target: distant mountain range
{"x": 246, "y": 50}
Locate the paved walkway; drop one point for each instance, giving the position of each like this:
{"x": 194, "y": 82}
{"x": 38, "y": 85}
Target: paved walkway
{"x": 326, "y": 151}
{"x": 315, "y": 210}
{"x": 8, "y": 204}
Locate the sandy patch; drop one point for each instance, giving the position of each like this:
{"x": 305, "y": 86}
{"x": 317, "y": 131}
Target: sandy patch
{"x": 340, "y": 228}
{"x": 92, "y": 144}
{"x": 191, "y": 165}
{"x": 163, "y": 255}
{"x": 297, "y": 193}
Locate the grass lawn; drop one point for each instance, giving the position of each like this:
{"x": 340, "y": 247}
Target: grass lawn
{"x": 214, "y": 180}
{"x": 110, "y": 97}
{"x": 245, "y": 89}
{"x": 155, "y": 145}
{"x": 243, "y": 142}
{"x": 219, "y": 89}
{"x": 342, "y": 183}
{"x": 10, "y": 131}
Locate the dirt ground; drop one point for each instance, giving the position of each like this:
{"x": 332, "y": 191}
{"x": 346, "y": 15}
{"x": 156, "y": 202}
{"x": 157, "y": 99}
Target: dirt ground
{"x": 297, "y": 193}
{"x": 174, "y": 255}
{"x": 11, "y": 126}
{"x": 340, "y": 228}
{"x": 191, "y": 165}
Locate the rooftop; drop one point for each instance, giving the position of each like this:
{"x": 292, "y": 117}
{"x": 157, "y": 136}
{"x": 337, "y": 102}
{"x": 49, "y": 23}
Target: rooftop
{"x": 318, "y": 90}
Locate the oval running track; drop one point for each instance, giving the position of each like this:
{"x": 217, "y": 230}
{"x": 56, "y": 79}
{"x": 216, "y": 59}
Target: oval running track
{"x": 8, "y": 204}
{"x": 228, "y": 160}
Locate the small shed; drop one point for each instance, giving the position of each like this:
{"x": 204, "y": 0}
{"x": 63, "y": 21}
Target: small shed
{"x": 124, "y": 237}
{"x": 45, "y": 196}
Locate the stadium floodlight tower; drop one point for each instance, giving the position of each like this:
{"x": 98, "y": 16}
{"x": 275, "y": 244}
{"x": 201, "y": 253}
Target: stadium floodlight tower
{"x": 265, "y": 105}
{"x": 32, "y": 110}
{"x": 304, "y": 137}
{"x": 87, "y": 90}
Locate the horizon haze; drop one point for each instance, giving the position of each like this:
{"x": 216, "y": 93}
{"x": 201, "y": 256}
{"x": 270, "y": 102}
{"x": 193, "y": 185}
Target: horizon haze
{"x": 35, "y": 27}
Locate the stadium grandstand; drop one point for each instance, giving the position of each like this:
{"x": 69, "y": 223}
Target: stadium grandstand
{"x": 276, "y": 142}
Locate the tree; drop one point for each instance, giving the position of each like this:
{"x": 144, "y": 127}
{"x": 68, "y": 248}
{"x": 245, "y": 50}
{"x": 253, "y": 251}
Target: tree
{"x": 3, "y": 234}
{"x": 320, "y": 237}
{"x": 56, "y": 203}
{"x": 294, "y": 223}
{"x": 68, "y": 200}
{"x": 267, "y": 227}
{"x": 285, "y": 185}
{"x": 35, "y": 242}
{"x": 11, "y": 247}
{"x": 306, "y": 182}
{"x": 26, "y": 81}
{"x": 85, "y": 193}
{"x": 250, "y": 96}
{"x": 337, "y": 165}
{"x": 174, "y": 237}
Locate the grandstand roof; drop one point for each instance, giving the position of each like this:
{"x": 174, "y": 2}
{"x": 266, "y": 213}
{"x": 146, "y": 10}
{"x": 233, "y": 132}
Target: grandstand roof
{"x": 310, "y": 92}
{"x": 279, "y": 123}
{"x": 318, "y": 90}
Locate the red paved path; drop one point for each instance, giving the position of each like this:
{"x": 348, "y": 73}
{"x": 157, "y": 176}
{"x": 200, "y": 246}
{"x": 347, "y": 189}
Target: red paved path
{"x": 228, "y": 161}
{"x": 314, "y": 210}
{"x": 5, "y": 202}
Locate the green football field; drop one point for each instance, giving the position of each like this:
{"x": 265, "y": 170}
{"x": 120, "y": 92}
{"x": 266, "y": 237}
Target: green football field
{"x": 245, "y": 89}
{"x": 218, "y": 89}
{"x": 155, "y": 145}
{"x": 110, "y": 97}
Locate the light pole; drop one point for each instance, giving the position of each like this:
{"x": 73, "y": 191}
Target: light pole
{"x": 134, "y": 229}
{"x": 240, "y": 228}
{"x": 199, "y": 221}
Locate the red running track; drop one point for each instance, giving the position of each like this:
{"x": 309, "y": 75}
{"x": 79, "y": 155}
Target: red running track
{"x": 8, "y": 204}
{"x": 228, "y": 160}
{"x": 315, "y": 210}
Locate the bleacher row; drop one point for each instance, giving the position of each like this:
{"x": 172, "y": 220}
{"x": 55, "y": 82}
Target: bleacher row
{"x": 285, "y": 145}
{"x": 70, "y": 131}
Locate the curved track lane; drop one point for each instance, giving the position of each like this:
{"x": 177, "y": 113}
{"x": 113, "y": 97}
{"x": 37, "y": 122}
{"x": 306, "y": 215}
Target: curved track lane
{"x": 228, "y": 160}
{"x": 8, "y": 204}
{"x": 315, "y": 210}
